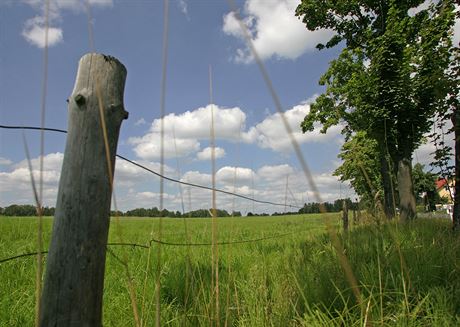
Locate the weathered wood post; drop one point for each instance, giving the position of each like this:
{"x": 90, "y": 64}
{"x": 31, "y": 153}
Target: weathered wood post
{"x": 74, "y": 277}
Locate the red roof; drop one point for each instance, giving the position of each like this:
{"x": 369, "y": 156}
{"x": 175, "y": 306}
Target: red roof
{"x": 441, "y": 182}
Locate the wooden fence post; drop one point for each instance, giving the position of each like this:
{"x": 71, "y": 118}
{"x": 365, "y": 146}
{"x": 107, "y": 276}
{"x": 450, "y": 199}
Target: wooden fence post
{"x": 74, "y": 276}
{"x": 345, "y": 215}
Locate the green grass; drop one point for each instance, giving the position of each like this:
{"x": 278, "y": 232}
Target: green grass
{"x": 408, "y": 275}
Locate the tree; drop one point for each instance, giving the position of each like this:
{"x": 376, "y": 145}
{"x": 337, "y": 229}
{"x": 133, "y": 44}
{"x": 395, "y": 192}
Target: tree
{"x": 20, "y": 210}
{"x": 387, "y": 81}
{"x": 360, "y": 166}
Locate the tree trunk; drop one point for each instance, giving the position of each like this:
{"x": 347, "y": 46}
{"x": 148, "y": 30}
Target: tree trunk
{"x": 74, "y": 278}
{"x": 406, "y": 189}
{"x": 389, "y": 204}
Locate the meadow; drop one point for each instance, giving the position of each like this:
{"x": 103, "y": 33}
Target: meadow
{"x": 273, "y": 271}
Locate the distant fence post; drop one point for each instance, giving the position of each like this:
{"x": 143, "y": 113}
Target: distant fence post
{"x": 345, "y": 215}
{"x": 74, "y": 276}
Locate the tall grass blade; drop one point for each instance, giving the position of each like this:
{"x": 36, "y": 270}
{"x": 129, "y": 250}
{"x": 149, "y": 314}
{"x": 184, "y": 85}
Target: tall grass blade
{"x": 303, "y": 163}
{"x": 215, "y": 249}
{"x": 162, "y": 159}
{"x": 38, "y": 281}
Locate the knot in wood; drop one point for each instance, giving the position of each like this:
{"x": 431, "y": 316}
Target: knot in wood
{"x": 80, "y": 100}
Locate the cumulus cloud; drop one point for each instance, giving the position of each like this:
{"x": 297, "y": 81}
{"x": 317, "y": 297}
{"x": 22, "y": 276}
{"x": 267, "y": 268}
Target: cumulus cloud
{"x": 34, "y": 30}
{"x": 274, "y": 183}
{"x": 52, "y": 164}
{"x": 134, "y": 187}
{"x": 271, "y": 133}
{"x": 148, "y": 147}
{"x": 197, "y": 123}
{"x": 273, "y": 29}
{"x": 234, "y": 175}
{"x": 146, "y": 199}
{"x": 182, "y": 132}
{"x": 278, "y": 172}
{"x": 196, "y": 177}
{"x": 206, "y": 153}
{"x": 35, "y": 33}
{"x": 129, "y": 175}
{"x": 16, "y": 185}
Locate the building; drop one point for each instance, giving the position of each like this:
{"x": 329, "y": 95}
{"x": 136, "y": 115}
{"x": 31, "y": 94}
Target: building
{"x": 444, "y": 189}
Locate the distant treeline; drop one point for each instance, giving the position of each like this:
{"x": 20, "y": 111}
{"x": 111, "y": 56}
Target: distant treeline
{"x": 336, "y": 206}
{"x": 155, "y": 212}
{"x": 30, "y": 210}
{"x": 25, "y": 210}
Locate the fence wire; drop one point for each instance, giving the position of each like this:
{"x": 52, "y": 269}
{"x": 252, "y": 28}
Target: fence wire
{"x": 156, "y": 241}
{"x": 161, "y": 175}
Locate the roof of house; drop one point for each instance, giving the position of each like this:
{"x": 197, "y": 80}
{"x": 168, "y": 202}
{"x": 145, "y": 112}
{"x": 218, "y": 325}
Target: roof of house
{"x": 440, "y": 183}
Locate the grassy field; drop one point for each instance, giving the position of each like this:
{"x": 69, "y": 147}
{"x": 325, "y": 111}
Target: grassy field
{"x": 408, "y": 275}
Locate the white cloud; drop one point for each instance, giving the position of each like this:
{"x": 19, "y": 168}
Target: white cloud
{"x": 234, "y": 175}
{"x": 196, "y": 177}
{"x": 129, "y": 175}
{"x": 274, "y": 30}
{"x": 271, "y": 133}
{"x": 138, "y": 188}
{"x": 206, "y": 153}
{"x": 197, "y": 123}
{"x": 35, "y": 33}
{"x": 34, "y": 30}
{"x": 145, "y": 199}
{"x": 275, "y": 173}
{"x": 182, "y": 132}
{"x": 268, "y": 183}
{"x": 243, "y": 190}
{"x": 51, "y": 162}
{"x": 232, "y": 25}
{"x": 148, "y": 147}
{"x": 16, "y": 186}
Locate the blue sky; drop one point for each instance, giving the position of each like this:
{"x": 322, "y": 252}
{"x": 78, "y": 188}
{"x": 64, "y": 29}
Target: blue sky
{"x": 254, "y": 153}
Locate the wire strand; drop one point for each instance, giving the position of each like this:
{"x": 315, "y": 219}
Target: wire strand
{"x": 153, "y": 240}
{"x": 160, "y": 175}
